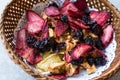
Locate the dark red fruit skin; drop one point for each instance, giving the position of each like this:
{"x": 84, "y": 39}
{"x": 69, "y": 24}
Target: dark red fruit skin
{"x": 60, "y": 28}
{"x": 68, "y": 58}
{"x": 79, "y": 50}
{"x": 52, "y": 11}
{"x": 75, "y": 14}
{"x": 74, "y": 26}
{"x": 58, "y": 76}
{"x": 79, "y": 23}
{"x": 81, "y": 5}
{"x": 107, "y": 35}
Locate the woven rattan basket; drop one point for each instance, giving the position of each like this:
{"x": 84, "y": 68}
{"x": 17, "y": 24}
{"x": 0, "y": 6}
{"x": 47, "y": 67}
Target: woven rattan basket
{"x": 15, "y": 10}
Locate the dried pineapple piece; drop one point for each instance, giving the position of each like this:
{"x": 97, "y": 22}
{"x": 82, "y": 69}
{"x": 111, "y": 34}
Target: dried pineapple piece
{"x": 44, "y": 16}
{"x": 51, "y": 32}
{"x": 44, "y": 64}
{"x": 90, "y": 69}
{"x": 57, "y": 68}
{"x": 69, "y": 45}
{"x": 70, "y": 69}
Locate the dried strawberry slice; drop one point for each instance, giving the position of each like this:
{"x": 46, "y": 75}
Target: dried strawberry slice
{"x": 60, "y": 28}
{"x": 107, "y": 35}
{"x": 75, "y": 14}
{"x": 74, "y": 26}
{"x": 33, "y": 59}
{"x": 35, "y": 26}
{"x": 79, "y": 50}
{"x": 67, "y": 56}
{"x": 21, "y": 39}
{"x": 70, "y": 6}
{"x": 100, "y": 17}
{"x": 28, "y": 54}
{"x": 66, "y": 2}
{"x": 93, "y": 14}
{"x": 33, "y": 16}
{"x": 45, "y": 33}
{"x": 79, "y": 23}
{"x": 52, "y": 11}
{"x": 81, "y": 5}
{"x": 58, "y": 76}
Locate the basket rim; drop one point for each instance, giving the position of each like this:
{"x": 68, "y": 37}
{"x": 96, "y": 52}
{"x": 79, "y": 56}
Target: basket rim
{"x": 14, "y": 57}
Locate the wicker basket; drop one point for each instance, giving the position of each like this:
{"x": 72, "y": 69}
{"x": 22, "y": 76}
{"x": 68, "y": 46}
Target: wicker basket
{"x": 15, "y": 10}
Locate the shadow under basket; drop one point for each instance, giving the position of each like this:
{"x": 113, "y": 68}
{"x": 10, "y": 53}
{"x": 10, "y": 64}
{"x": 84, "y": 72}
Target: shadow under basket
{"x": 14, "y": 12}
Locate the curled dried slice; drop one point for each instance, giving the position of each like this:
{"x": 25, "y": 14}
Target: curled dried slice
{"x": 107, "y": 35}
{"x": 33, "y": 16}
{"x": 21, "y": 39}
{"x": 79, "y": 50}
{"x": 60, "y": 28}
{"x": 52, "y": 11}
{"x": 67, "y": 56}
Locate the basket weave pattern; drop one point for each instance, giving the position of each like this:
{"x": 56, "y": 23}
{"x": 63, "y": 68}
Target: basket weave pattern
{"x": 14, "y": 12}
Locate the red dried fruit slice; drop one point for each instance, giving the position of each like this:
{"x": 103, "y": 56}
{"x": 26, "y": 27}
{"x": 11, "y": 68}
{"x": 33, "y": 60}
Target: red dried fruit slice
{"x": 58, "y": 76}
{"x": 67, "y": 56}
{"x": 100, "y": 17}
{"x": 79, "y": 23}
{"x": 66, "y": 2}
{"x": 75, "y": 14}
{"x": 74, "y": 26}
{"x": 33, "y": 16}
{"x": 79, "y": 50}
{"x": 33, "y": 59}
{"x": 35, "y": 26}
{"x": 81, "y": 5}
{"x": 68, "y": 7}
{"x": 60, "y": 28}
{"x": 93, "y": 14}
{"x": 45, "y": 32}
{"x": 52, "y": 11}
{"x": 107, "y": 35}
{"x": 21, "y": 39}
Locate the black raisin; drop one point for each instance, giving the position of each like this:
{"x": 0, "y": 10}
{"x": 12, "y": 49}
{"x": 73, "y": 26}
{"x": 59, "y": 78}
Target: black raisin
{"x": 96, "y": 29}
{"x": 78, "y": 34}
{"x": 78, "y": 62}
{"x": 90, "y": 60}
{"x": 53, "y": 4}
{"x": 64, "y": 18}
{"x": 87, "y": 12}
{"x": 30, "y": 40}
{"x": 89, "y": 40}
{"x": 100, "y": 61}
{"x": 99, "y": 44}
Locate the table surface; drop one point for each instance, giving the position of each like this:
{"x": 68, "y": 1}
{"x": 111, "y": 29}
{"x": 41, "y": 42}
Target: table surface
{"x": 11, "y": 71}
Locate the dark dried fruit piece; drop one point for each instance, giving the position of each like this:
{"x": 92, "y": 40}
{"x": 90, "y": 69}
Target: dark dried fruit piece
{"x": 81, "y": 5}
{"x": 64, "y": 18}
{"x": 30, "y": 40}
{"x": 96, "y": 29}
{"x": 53, "y": 4}
{"x": 100, "y": 61}
{"x": 91, "y": 60}
{"x": 78, "y": 62}
{"x": 78, "y": 34}
{"x": 89, "y": 40}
